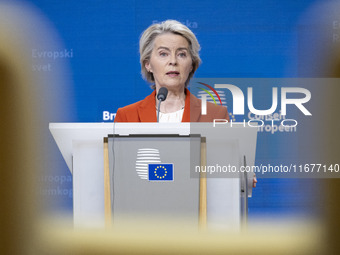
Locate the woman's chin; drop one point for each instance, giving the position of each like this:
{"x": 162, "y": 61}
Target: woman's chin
{"x": 173, "y": 86}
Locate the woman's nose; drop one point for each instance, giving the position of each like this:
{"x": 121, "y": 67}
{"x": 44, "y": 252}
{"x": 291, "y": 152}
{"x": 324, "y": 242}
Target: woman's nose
{"x": 173, "y": 59}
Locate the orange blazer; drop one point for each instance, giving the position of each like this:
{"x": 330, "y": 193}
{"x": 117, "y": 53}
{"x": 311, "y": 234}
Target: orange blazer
{"x": 145, "y": 110}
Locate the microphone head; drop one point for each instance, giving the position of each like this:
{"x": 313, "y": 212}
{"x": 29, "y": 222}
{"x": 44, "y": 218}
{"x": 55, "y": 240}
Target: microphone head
{"x": 162, "y": 93}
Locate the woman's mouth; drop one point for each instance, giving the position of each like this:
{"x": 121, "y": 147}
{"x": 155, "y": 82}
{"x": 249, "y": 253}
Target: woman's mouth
{"x": 172, "y": 73}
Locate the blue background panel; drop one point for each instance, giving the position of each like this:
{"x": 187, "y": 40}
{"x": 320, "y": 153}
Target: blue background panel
{"x": 238, "y": 39}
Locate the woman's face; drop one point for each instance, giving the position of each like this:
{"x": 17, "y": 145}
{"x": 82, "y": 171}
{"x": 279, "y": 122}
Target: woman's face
{"x": 170, "y": 61}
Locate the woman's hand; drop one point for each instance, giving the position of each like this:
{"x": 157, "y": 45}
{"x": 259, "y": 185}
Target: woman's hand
{"x": 254, "y": 181}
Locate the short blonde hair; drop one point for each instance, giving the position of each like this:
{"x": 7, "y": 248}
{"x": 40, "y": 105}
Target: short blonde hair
{"x": 147, "y": 39}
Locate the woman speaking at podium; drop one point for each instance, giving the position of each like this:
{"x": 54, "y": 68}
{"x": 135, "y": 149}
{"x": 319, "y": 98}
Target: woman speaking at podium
{"x": 169, "y": 57}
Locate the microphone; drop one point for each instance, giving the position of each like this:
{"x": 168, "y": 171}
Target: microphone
{"x": 161, "y": 96}
{"x": 162, "y": 93}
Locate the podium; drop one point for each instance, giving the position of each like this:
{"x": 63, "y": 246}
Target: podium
{"x": 81, "y": 145}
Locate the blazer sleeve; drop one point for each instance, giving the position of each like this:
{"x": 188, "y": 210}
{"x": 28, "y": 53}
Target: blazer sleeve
{"x": 224, "y": 113}
{"x": 217, "y": 112}
{"x": 120, "y": 116}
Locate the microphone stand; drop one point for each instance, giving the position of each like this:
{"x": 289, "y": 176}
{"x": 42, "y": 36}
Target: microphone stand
{"x": 162, "y": 94}
{"x": 158, "y": 109}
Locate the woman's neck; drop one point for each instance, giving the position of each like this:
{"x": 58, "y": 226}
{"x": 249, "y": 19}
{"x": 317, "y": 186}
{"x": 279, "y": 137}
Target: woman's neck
{"x": 175, "y": 101}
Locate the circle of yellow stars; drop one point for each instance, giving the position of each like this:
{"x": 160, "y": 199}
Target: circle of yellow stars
{"x": 165, "y": 172}
{"x": 232, "y": 116}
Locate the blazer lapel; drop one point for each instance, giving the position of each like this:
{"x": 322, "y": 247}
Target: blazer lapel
{"x": 192, "y": 109}
{"x": 147, "y": 109}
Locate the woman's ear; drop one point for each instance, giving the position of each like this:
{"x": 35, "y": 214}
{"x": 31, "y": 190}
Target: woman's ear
{"x": 147, "y": 66}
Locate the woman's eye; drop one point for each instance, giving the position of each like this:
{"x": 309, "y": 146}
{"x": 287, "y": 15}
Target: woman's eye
{"x": 182, "y": 54}
{"x": 163, "y": 54}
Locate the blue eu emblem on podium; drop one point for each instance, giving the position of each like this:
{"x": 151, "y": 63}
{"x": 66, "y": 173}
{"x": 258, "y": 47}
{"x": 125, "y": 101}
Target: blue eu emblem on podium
{"x": 161, "y": 172}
